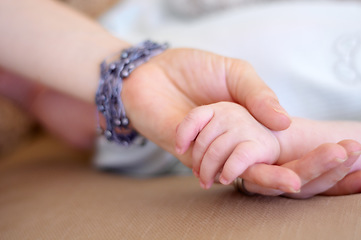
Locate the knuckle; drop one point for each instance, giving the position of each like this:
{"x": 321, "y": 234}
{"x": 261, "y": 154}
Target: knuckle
{"x": 192, "y": 116}
{"x": 245, "y": 64}
{"x": 241, "y": 155}
{"x": 230, "y": 173}
{"x": 213, "y": 154}
{"x": 239, "y": 161}
{"x": 200, "y": 144}
{"x": 199, "y": 149}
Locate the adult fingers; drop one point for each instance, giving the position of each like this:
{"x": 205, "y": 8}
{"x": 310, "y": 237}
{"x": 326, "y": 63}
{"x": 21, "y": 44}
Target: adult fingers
{"x": 317, "y": 162}
{"x": 322, "y": 183}
{"x": 264, "y": 180}
{"x": 350, "y": 184}
{"x": 271, "y": 180}
{"x": 248, "y": 89}
{"x": 330, "y": 178}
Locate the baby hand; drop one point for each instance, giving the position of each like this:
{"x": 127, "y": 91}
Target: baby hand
{"x": 224, "y": 138}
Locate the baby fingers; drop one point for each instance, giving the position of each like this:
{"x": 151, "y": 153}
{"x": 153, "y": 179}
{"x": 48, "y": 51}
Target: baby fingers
{"x": 188, "y": 130}
{"x": 214, "y": 158}
{"x": 244, "y": 155}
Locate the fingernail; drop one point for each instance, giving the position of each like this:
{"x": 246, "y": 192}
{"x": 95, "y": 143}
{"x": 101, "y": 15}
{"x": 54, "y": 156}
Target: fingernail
{"x": 195, "y": 173}
{"x": 178, "y": 150}
{"x": 349, "y": 162}
{"x": 278, "y": 108}
{"x": 202, "y": 185}
{"x": 340, "y": 160}
{"x": 289, "y": 190}
{"x": 208, "y": 185}
{"x": 352, "y": 160}
{"x": 223, "y": 181}
{"x": 355, "y": 153}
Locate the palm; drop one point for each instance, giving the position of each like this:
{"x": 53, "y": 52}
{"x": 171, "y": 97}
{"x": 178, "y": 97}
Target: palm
{"x": 175, "y": 83}
{"x": 160, "y": 95}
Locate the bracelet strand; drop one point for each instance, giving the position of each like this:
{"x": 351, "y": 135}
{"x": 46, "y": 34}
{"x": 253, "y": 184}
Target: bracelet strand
{"x": 108, "y": 95}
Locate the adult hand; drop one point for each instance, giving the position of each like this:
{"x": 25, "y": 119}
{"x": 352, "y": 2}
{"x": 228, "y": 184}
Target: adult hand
{"x": 328, "y": 170}
{"x": 160, "y": 93}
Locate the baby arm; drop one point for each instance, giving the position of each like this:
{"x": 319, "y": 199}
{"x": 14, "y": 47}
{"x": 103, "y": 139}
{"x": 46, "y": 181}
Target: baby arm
{"x": 224, "y": 138}
{"x": 304, "y": 135}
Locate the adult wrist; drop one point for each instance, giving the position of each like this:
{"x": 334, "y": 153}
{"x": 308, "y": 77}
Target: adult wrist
{"x": 108, "y": 95}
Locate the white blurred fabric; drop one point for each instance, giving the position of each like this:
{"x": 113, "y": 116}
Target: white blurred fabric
{"x": 308, "y": 52}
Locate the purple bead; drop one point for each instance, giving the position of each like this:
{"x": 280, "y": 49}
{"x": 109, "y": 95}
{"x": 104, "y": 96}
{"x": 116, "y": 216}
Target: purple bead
{"x": 124, "y": 55}
{"x": 125, "y": 121}
{"x": 112, "y": 66}
{"x": 101, "y": 108}
{"x": 125, "y": 73}
{"x": 108, "y": 134}
{"x": 117, "y": 122}
{"x": 108, "y": 99}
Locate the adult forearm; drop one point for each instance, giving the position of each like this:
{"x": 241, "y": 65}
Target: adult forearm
{"x": 48, "y": 42}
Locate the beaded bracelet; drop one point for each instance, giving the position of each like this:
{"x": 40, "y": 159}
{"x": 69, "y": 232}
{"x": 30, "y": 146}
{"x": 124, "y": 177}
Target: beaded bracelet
{"x": 107, "y": 97}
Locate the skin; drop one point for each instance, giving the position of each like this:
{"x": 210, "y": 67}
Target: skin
{"x": 176, "y": 92}
{"x": 82, "y": 44}
{"x": 72, "y": 120}
{"x": 225, "y": 139}
{"x": 327, "y": 174}
{"x": 157, "y": 95}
